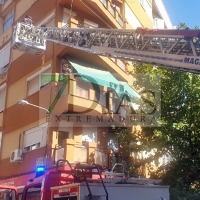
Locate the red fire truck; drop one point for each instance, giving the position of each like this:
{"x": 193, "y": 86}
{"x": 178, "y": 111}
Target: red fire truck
{"x": 83, "y": 181}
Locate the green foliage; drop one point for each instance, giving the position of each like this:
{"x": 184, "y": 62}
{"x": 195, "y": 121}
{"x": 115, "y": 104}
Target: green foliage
{"x": 178, "y": 137}
{"x": 176, "y": 194}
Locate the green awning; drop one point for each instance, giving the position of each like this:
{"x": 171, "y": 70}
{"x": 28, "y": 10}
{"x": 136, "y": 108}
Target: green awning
{"x": 129, "y": 90}
{"x": 96, "y": 76}
{"x": 103, "y": 78}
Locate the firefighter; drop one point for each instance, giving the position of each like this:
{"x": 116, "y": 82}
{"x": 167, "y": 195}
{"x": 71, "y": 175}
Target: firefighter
{"x": 28, "y": 20}
{"x": 66, "y": 68}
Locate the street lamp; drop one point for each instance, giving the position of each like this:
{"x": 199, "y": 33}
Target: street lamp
{"x": 24, "y": 102}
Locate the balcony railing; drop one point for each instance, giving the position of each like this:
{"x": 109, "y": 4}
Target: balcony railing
{"x": 121, "y": 65}
{"x": 120, "y": 20}
{"x": 101, "y": 158}
{"x": 80, "y": 154}
{"x": 104, "y": 2}
{"x": 113, "y": 11}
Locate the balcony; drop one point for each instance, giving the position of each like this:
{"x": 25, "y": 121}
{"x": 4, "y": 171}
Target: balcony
{"x": 80, "y": 154}
{"x": 101, "y": 158}
{"x": 114, "y": 11}
{"x": 74, "y": 152}
{"x": 104, "y": 2}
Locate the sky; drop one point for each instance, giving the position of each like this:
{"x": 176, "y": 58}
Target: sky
{"x": 187, "y": 11}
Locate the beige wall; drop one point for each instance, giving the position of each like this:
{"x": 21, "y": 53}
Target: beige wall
{"x": 13, "y": 140}
{"x": 16, "y": 92}
{"x": 140, "y": 13}
{"x": 22, "y": 6}
{"x": 16, "y": 54}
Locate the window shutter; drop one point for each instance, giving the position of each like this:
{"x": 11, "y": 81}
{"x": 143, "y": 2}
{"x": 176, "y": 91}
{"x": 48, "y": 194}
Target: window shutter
{"x": 33, "y": 86}
{"x": 36, "y": 135}
{"x": 46, "y": 77}
{"x": 32, "y": 137}
{"x": 2, "y": 98}
{"x": 6, "y": 56}
{"x": 82, "y": 88}
{"x": 38, "y": 79}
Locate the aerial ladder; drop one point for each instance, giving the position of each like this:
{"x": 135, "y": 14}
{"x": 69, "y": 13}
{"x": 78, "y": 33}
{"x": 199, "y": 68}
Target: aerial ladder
{"x": 177, "y": 49}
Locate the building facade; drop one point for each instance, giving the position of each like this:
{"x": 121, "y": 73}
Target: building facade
{"x": 74, "y": 130}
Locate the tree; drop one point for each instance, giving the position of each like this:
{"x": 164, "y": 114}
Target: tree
{"x": 178, "y": 136}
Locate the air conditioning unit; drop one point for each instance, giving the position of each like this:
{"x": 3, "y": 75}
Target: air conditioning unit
{"x": 16, "y": 156}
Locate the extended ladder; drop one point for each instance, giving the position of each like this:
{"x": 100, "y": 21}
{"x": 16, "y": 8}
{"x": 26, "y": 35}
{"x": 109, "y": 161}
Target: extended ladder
{"x": 175, "y": 48}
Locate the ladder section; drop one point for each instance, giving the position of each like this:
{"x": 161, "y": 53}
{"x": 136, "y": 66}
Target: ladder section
{"x": 176, "y": 48}
{"x": 87, "y": 170}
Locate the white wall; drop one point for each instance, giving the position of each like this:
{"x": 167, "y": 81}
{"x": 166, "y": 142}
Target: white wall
{"x": 163, "y": 12}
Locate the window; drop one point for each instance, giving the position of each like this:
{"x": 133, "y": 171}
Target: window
{"x": 4, "y": 57}
{"x": 2, "y": 97}
{"x": 113, "y": 105}
{"x": 35, "y": 138}
{"x": 39, "y": 80}
{"x": 82, "y": 88}
{"x": 90, "y": 24}
{"x": 113, "y": 142}
{"x": 158, "y": 23}
{"x": 100, "y": 96}
{"x": 62, "y": 135}
{"x": 117, "y": 5}
{"x": 66, "y": 127}
{"x": 3, "y": 1}
{"x": 67, "y": 14}
{"x": 89, "y": 134}
{"x": 8, "y": 20}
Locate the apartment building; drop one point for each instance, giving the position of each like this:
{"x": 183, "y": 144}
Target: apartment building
{"x": 79, "y": 127}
